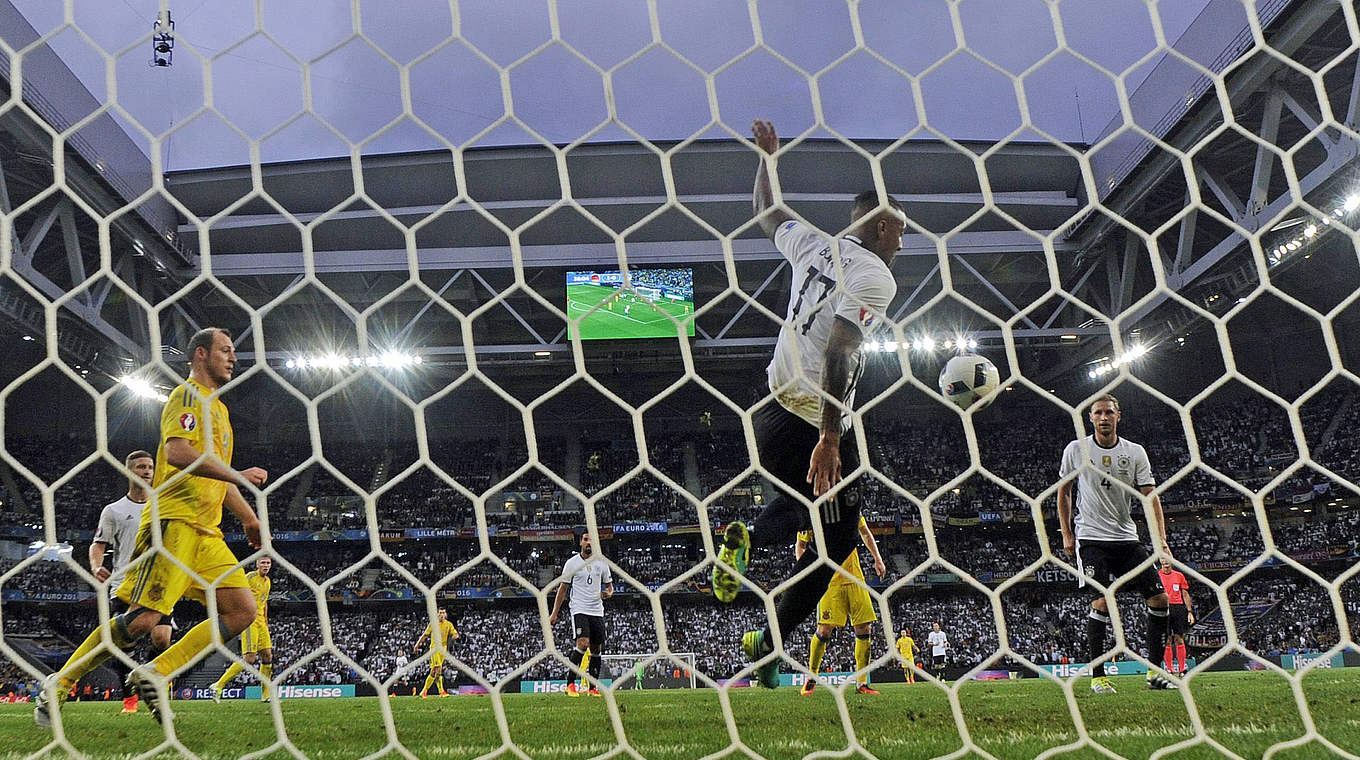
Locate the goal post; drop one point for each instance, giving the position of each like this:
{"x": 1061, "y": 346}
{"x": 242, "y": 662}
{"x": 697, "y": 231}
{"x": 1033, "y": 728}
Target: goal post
{"x": 649, "y": 671}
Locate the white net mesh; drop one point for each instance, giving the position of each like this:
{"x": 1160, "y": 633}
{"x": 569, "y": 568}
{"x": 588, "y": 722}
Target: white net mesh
{"x": 1063, "y": 250}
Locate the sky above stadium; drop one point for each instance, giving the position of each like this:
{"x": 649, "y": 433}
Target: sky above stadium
{"x": 253, "y": 66}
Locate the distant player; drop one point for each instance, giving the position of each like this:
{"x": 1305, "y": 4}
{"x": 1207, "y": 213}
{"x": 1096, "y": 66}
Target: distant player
{"x": 1105, "y": 542}
{"x": 906, "y": 652}
{"x": 840, "y": 286}
{"x": 401, "y": 663}
{"x": 1182, "y": 615}
{"x": 587, "y": 576}
{"x": 939, "y": 648}
{"x": 193, "y": 489}
{"x": 255, "y": 643}
{"x": 440, "y": 635}
{"x": 845, "y": 599}
{"x": 117, "y": 531}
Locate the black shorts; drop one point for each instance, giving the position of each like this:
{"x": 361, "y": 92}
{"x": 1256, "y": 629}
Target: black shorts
{"x": 938, "y": 660}
{"x": 1180, "y": 619}
{"x": 784, "y": 443}
{"x": 589, "y": 627}
{"x": 1106, "y": 561}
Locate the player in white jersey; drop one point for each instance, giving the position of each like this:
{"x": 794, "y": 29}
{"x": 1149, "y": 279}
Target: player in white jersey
{"x": 840, "y": 287}
{"x": 1109, "y": 469}
{"x": 117, "y": 531}
{"x": 586, "y": 575}
{"x": 939, "y": 647}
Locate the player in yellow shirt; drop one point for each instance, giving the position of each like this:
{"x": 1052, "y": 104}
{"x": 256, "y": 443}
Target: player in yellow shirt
{"x": 845, "y": 599}
{"x": 906, "y": 651}
{"x": 440, "y": 636}
{"x": 255, "y": 644}
{"x": 193, "y": 482}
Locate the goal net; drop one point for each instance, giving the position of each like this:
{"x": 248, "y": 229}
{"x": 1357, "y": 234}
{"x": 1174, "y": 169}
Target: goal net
{"x": 645, "y": 671}
{"x": 422, "y": 222}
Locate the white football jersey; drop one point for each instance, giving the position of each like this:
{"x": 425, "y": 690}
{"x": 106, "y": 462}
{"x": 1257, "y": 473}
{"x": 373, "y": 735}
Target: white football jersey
{"x": 939, "y": 642}
{"x": 118, "y": 528}
{"x": 587, "y": 577}
{"x": 1103, "y": 509}
{"x": 831, "y": 278}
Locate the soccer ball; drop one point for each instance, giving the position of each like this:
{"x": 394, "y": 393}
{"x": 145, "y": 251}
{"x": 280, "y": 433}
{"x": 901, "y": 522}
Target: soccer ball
{"x": 967, "y": 379}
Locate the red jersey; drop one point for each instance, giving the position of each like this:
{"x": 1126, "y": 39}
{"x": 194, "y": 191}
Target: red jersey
{"x": 1175, "y": 586}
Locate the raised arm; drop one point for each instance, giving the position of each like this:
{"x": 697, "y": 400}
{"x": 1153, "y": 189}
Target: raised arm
{"x": 763, "y": 200}
{"x": 824, "y": 467}
{"x": 799, "y": 547}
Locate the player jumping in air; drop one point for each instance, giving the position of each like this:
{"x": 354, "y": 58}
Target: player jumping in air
{"x": 440, "y": 636}
{"x": 255, "y": 643}
{"x": 1105, "y": 542}
{"x": 194, "y": 480}
{"x": 117, "y": 531}
{"x": 587, "y": 576}
{"x": 845, "y": 599}
{"x": 840, "y": 286}
{"x": 1182, "y": 615}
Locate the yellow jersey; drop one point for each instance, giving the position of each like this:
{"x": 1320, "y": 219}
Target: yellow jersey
{"x": 906, "y": 647}
{"x": 440, "y": 642}
{"x": 259, "y": 586}
{"x": 851, "y": 563}
{"x": 183, "y": 496}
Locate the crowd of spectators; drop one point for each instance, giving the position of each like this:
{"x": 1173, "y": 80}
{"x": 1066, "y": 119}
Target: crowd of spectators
{"x": 1242, "y": 440}
{"x": 1044, "y": 625}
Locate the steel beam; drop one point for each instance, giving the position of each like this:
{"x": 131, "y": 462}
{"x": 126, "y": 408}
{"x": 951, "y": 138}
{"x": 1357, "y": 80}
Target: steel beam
{"x": 1265, "y": 158}
{"x": 1185, "y": 240}
{"x": 986, "y": 283}
{"x": 595, "y": 255}
{"x": 1244, "y": 81}
{"x": 746, "y": 304}
{"x": 1035, "y": 198}
{"x": 1236, "y": 209}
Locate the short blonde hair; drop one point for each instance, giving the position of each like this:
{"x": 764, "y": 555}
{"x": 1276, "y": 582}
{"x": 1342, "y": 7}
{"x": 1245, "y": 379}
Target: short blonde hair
{"x": 1107, "y": 397}
{"x": 138, "y": 454}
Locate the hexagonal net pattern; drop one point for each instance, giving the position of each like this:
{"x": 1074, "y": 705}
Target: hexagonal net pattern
{"x": 1271, "y": 227}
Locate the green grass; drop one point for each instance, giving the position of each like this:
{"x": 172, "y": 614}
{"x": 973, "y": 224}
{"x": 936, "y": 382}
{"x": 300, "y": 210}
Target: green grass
{"x": 643, "y": 320}
{"x": 1246, "y": 712}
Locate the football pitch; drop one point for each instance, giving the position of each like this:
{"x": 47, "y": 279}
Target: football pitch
{"x": 1246, "y": 712}
{"x": 644, "y": 319}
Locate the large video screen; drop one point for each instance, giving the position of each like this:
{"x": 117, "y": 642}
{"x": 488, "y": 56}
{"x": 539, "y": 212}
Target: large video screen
{"x": 640, "y": 308}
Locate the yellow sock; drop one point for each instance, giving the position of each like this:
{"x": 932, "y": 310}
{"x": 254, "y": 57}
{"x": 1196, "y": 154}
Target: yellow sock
{"x": 187, "y": 648}
{"x": 87, "y": 657}
{"x": 429, "y": 681}
{"x": 816, "y": 650}
{"x": 232, "y": 672}
{"x": 862, "y": 658}
{"x": 267, "y": 670}
{"x": 439, "y": 681}
{"x": 585, "y": 663}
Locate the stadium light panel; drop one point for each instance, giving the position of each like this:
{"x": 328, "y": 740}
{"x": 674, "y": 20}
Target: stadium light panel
{"x": 890, "y": 345}
{"x": 142, "y": 389}
{"x": 1351, "y": 204}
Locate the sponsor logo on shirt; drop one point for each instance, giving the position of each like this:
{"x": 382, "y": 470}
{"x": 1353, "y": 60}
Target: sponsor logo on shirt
{"x": 188, "y": 422}
{"x": 790, "y": 224}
